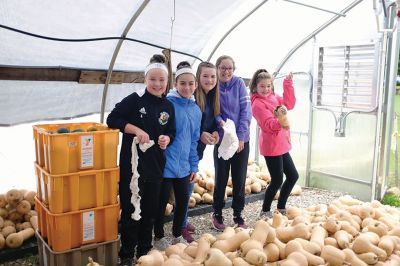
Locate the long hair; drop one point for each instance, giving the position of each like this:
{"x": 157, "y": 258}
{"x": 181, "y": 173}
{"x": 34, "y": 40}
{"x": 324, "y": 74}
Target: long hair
{"x": 260, "y": 74}
{"x": 200, "y": 95}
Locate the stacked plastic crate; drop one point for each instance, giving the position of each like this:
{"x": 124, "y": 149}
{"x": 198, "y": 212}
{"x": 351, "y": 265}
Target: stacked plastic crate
{"x": 77, "y": 182}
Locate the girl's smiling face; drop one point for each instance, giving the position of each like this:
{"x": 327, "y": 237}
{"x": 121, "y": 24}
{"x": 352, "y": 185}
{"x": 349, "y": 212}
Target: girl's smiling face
{"x": 225, "y": 70}
{"x": 156, "y": 81}
{"x": 186, "y": 85}
{"x": 208, "y": 78}
{"x": 264, "y": 87}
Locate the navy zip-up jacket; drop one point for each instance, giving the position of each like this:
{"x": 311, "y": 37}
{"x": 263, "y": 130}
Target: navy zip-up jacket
{"x": 155, "y": 116}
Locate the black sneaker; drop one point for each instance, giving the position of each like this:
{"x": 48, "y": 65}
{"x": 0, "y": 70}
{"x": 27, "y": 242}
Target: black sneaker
{"x": 126, "y": 262}
{"x": 265, "y": 215}
{"x": 218, "y": 222}
{"x": 239, "y": 222}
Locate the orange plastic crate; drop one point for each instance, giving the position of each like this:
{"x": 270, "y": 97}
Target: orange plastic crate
{"x": 74, "y": 229}
{"x": 77, "y": 191}
{"x": 73, "y": 152}
{"x": 105, "y": 253}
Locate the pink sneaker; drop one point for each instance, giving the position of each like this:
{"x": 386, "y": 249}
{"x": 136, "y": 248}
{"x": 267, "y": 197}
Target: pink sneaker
{"x": 218, "y": 222}
{"x": 190, "y": 227}
{"x": 187, "y": 235}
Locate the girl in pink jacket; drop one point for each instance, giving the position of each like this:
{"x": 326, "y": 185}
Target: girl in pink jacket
{"x": 269, "y": 110}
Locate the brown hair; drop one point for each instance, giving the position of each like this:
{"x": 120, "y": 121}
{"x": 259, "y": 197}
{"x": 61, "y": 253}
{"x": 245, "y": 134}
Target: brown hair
{"x": 259, "y": 75}
{"x": 223, "y": 57}
{"x": 200, "y": 95}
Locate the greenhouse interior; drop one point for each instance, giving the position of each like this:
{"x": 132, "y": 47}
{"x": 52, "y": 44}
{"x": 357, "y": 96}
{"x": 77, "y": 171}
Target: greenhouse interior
{"x": 71, "y": 62}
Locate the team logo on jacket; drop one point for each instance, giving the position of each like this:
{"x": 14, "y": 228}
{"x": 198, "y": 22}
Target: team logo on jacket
{"x": 163, "y": 119}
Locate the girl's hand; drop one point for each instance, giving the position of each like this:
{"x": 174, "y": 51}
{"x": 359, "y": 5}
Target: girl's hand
{"x": 216, "y": 137}
{"x": 222, "y": 123}
{"x": 192, "y": 177}
{"x": 163, "y": 141}
{"x": 142, "y": 136}
{"x": 206, "y": 138}
{"x": 289, "y": 76}
{"x": 241, "y": 146}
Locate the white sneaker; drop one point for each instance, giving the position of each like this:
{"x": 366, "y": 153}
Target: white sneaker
{"x": 179, "y": 239}
{"x": 160, "y": 244}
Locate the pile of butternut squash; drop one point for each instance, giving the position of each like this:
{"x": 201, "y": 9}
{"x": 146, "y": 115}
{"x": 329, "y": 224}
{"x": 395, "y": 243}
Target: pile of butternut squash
{"x": 345, "y": 232}
{"x": 256, "y": 181}
{"x": 18, "y": 219}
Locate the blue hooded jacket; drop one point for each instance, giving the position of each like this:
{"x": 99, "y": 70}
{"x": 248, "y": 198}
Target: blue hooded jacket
{"x": 181, "y": 155}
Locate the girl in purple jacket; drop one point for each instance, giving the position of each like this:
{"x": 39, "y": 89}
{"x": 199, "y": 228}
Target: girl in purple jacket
{"x": 234, "y": 105}
{"x": 274, "y": 143}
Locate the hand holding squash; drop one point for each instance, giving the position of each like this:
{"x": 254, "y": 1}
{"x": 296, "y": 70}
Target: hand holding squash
{"x": 281, "y": 113}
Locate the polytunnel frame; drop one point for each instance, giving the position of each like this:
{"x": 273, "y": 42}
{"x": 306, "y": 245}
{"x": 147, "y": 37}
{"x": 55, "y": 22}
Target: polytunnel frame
{"x": 380, "y": 167}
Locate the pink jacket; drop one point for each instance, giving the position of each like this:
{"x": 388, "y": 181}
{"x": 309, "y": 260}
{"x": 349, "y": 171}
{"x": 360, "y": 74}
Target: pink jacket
{"x": 274, "y": 140}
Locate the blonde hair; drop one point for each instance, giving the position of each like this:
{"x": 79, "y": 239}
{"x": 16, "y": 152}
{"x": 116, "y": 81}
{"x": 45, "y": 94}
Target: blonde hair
{"x": 200, "y": 95}
{"x": 223, "y": 57}
{"x": 259, "y": 75}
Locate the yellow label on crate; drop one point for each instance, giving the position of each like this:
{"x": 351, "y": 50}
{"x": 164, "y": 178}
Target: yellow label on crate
{"x": 88, "y": 226}
{"x": 86, "y": 151}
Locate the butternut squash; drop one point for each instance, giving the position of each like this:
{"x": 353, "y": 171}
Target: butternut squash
{"x": 249, "y": 244}
{"x": 173, "y": 262}
{"x": 3, "y": 212}
{"x": 296, "y": 191}
{"x": 272, "y": 252}
{"x": 293, "y": 212}
{"x": 168, "y": 209}
{"x": 30, "y": 197}
{"x": 192, "y": 202}
{"x": 277, "y": 219}
{"x": 294, "y": 245}
{"x": 332, "y": 255}
{"x": 232, "y": 255}
{"x": 346, "y": 226}
{"x": 362, "y": 244}
{"x": 369, "y": 258}
{"x": 198, "y": 189}
{"x": 34, "y": 222}
{"x": 352, "y": 259}
{"x": 228, "y": 232}
{"x": 27, "y": 216}
{"x": 331, "y": 241}
{"x": 23, "y": 207}
{"x": 388, "y": 244}
{"x": 298, "y": 220}
{"x": 7, "y": 230}
{"x": 285, "y": 234}
{"x": 349, "y": 200}
{"x": 318, "y": 234}
{"x": 202, "y": 249}
{"x": 343, "y": 239}
{"x": 197, "y": 197}
{"x": 255, "y": 257}
{"x": 256, "y": 187}
{"x": 281, "y": 246}
{"x": 260, "y": 232}
{"x": 271, "y": 235}
{"x": 332, "y": 225}
{"x": 295, "y": 259}
{"x": 232, "y": 243}
{"x": 210, "y": 185}
{"x": 309, "y": 246}
{"x": 216, "y": 257}
{"x": 93, "y": 263}
{"x": 207, "y": 198}
{"x": 240, "y": 262}
{"x": 379, "y": 228}
{"x": 191, "y": 250}
{"x": 1, "y": 222}
{"x": 14, "y": 196}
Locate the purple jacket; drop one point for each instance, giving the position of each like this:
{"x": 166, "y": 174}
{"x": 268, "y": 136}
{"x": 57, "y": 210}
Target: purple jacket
{"x": 235, "y": 105}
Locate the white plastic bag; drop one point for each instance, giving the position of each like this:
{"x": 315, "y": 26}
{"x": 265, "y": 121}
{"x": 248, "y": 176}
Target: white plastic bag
{"x": 230, "y": 141}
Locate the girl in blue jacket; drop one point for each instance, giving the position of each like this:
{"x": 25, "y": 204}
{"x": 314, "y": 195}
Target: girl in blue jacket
{"x": 181, "y": 156}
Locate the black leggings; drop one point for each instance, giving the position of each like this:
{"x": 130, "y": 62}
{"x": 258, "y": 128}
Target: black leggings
{"x": 180, "y": 186}
{"x": 277, "y": 166}
{"x": 238, "y": 167}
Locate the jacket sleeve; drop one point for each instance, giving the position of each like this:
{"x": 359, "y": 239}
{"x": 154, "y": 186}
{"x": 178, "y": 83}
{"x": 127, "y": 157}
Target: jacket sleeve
{"x": 193, "y": 156}
{"x": 171, "y": 126}
{"x": 265, "y": 118}
{"x": 119, "y": 116}
{"x": 245, "y": 112}
{"x": 289, "y": 98}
